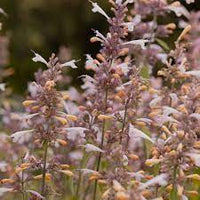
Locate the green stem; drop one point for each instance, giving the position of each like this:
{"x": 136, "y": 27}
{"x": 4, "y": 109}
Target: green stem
{"x": 22, "y": 182}
{"x": 80, "y": 177}
{"x": 78, "y": 186}
{"x": 22, "y": 185}
{"x": 173, "y": 193}
{"x": 101, "y": 145}
{"x": 44, "y": 167}
{"x": 124, "y": 123}
{"x": 86, "y": 192}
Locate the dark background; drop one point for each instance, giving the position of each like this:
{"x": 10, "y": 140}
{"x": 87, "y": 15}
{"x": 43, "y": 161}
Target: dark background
{"x": 47, "y": 25}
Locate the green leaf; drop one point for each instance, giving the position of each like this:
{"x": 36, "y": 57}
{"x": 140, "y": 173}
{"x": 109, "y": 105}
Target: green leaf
{"x": 163, "y": 44}
{"x": 145, "y": 72}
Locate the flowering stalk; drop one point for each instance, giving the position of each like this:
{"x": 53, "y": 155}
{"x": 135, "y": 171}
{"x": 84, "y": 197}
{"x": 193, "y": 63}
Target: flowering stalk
{"x": 102, "y": 144}
{"x": 124, "y": 123}
{"x": 22, "y": 184}
{"x": 48, "y": 123}
{"x": 110, "y": 74}
{"x": 44, "y": 167}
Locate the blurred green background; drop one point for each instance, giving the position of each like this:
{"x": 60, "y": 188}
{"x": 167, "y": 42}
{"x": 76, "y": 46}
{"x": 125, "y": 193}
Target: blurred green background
{"x": 47, "y": 26}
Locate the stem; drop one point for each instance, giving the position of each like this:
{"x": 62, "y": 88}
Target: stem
{"x": 99, "y": 160}
{"x": 152, "y": 34}
{"x": 80, "y": 177}
{"x": 22, "y": 185}
{"x": 86, "y": 192}
{"x": 22, "y": 182}
{"x": 44, "y": 167}
{"x": 173, "y": 194}
{"x": 124, "y": 122}
{"x": 101, "y": 145}
{"x": 78, "y": 186}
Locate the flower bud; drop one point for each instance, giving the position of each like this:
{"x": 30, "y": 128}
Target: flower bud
{"x": 140, "y": 123}
{"x": 146, "y": 193}
{"x": 62, "y": 142}
{"x": 116, "y": 76}
{"x": 118, "y": 99}
{"x": 163, "y": 136}
{"x": 64, "y": 166}
{"x": 180, "y": 134}
{"x": 143, "y": 88}
{"x": 192, "y": 193}
{"x": 161, "y": 73}
{"x": 62, "y": 120}
{"x": 117, "y": 186}
{"x": 173, "y": 153}
{"x": 66, "y": 96}
{"x": 194, "y": 177}
{"x": 100, "y": 57}
{"x": 180, "y": 147}
{"x": 105, "y": 117}
{"x": 49, "y": 85}
{"x": 72, "y": 118}
{"x": 182, "y": 109}
{"x": 94, "y": 177}
{"x": 152, "y": 162}
{"x": 197, "y": 145}
{"x": 169, "y": 188}
{"x": 180, "y": 190}
{"x": 171, "y": 26}
{"x": 124, "y": 52}
{"x": 106, "y": 193}
{"x": 66, "y": 172}
{"x": 6, "y": 180}
{"x": 185, "y": 31}
{"x": 166, "y": 130}
{"x": 25, "y": 165}
{"x": 181, "y": 173}
{"x": 47, "y": 177}
{"x": 133, "y": 156}
{"x": 121, "y": 93}
{"x": 103, "y": 182}
{"x": 121, "y": 195}
{"x": 28, "y": 103}
{"x": 95, "y": 39}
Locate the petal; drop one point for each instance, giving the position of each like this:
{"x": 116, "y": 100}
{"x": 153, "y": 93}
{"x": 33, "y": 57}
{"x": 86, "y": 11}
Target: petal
{"x": 97, "y": 8}
{"x": 155, "y": 101}
{"x": 2, "y": 86}
{"x": 92, "y": 148}
{"x": 158, "y": 180}
{"x": 140, "y": 43}
{"x": 36, "y": 194}
{"x": 193, "y": 73}
{"x": 21, "y": 136}
{"x": 70, "y": 64}
{"x": 134, "y": 133}
{"x": 39, "y": 58}
{"x": 169, "y": 110}
{"x": 74, "y": 132}
{"x": 3, "y": 12}
{"x": 87, "y": 171}
{"x": 4, "y": 190}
